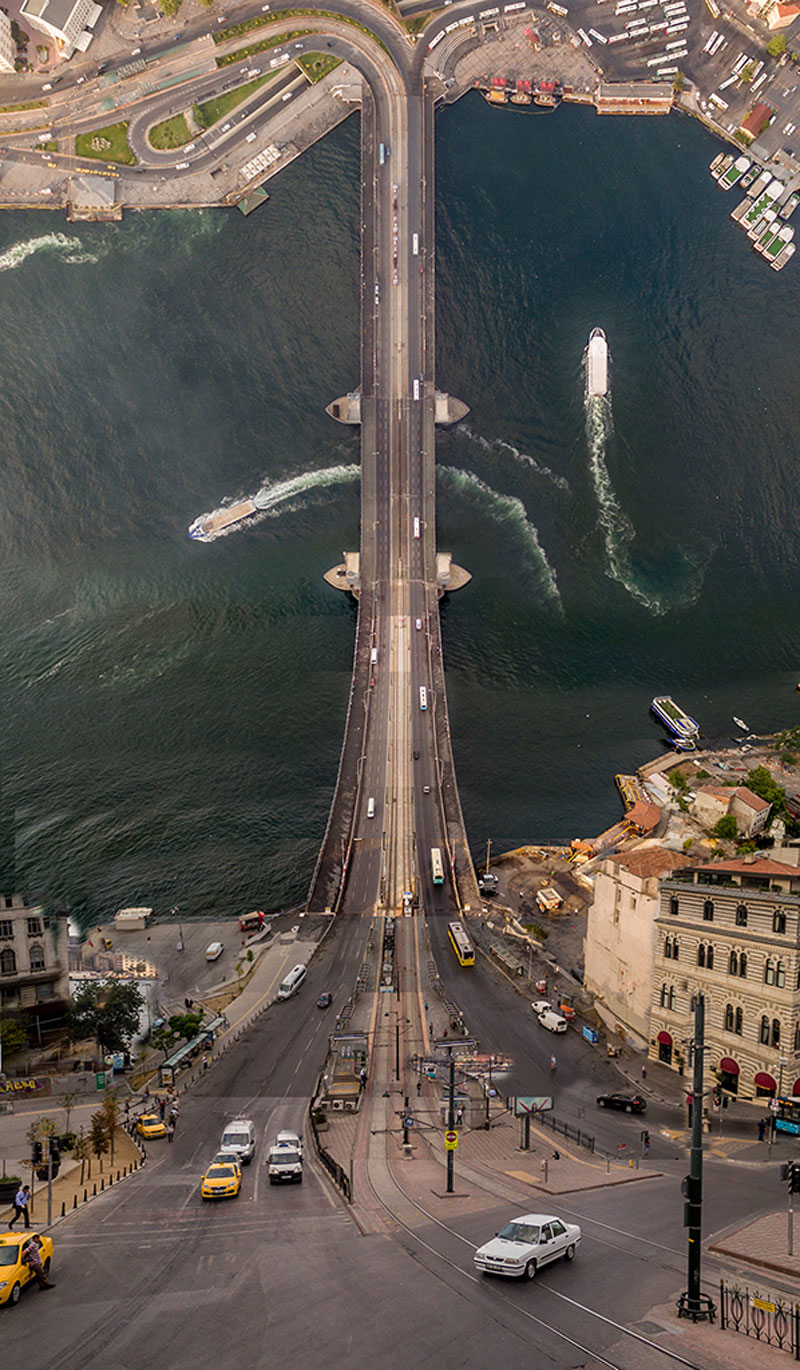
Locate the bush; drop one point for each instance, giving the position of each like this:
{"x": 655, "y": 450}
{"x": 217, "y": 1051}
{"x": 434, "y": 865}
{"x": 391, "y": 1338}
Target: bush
{"x": 725, "y": 828}
{"x": 67, "y": 1141}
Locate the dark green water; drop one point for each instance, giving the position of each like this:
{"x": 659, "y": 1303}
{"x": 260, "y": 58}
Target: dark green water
{"x": 173, "y": 711}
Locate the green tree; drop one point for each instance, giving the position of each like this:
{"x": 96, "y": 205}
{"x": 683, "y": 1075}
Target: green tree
{"x": 81, "y": 1151}
{"x": 677, "y": 780}
{"x": 760, "y": 781}
{"x": 110, "y": 1111}
{"x": 678, "y": 83}
{"x": 747, "y": 73}
{"x": 777, "y": 45}
{"x": 110, "y": 1014}
{"x": 98, "y": 1136}
{"x": 185, "y": 1026}
{"x": 13, "y": 1035}
{"x": 68, "y": 1102}
{"x": 725, "y": 828}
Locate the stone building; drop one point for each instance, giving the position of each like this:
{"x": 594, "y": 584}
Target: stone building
{"x": 8, "y": 48}
{"x": 713, "y": 802}
{"x": 34, "y": 963}
{"x": 620, "y": 937}
{"x": 69, "y": 22}
{"x": 731, "y": 930}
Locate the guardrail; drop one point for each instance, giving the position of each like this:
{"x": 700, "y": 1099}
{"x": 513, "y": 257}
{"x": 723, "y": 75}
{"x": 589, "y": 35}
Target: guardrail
{"x": 337, "y": 1173}
{"x": 774, "y": 1319}
{"x": 573, "y": 1134}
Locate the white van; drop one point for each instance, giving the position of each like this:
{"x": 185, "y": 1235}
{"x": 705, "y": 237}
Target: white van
{"x": 213, "y": 951}
{"x": 370, "y": 807}
{"x": 553, "y": 1021}
{"x": 292, "y": 982}
{"x": 240, "y": 1136}
{"x": 373, "y": 656}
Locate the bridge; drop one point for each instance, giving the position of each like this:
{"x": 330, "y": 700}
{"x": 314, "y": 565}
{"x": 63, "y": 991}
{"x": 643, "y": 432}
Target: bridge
{"x": 396, "y": 794}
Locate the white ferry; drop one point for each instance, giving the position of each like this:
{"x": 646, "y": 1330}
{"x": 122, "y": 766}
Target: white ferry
{"x": 208, "y": 526}
{"x": 597, "y": 363}
{"x": 682, "y": 727}
{"x": 783, "y": 257}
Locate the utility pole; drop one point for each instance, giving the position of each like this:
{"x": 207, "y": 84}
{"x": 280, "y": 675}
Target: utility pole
{"x": 692, "y": 1303}
{"x": 451, "y": 1118}
{"x": 488, "y": 853}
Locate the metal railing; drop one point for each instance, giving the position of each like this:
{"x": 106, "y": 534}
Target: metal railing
{"x": 771, "y": 1319}
{"x": 573, "y": 1134}
{"x": 337, "y": 1172}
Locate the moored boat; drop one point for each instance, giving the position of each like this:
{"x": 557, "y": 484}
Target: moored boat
{"x": 724, "y": 166}
{"x": 787, "y": 210}
{"x": 783, "y": 257}
{"x": 675, "y": 719}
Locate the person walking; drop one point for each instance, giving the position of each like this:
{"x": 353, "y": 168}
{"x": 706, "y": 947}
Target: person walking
{"x": 460, "y": 1115}
{"x": 170, "y": 1130}
{"x": 644, "y": 1070}
{"x": 762, "y": 1129}
{"x": 362, "y": 1080}
{"x": 162, "y": 1107}
{"x": 173, "y": 1118}
{"x": 32, "y": 1256}
{"x": 21, "y": 1200}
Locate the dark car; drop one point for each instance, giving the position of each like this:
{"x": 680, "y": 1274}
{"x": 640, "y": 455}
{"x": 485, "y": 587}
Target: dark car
{"x": 324, "y": 1001}
{"x": 629, "y": 1103}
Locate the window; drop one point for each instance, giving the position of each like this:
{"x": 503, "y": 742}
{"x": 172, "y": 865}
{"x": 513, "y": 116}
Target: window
{"x": 741, "y": 916}
{"x": 776, "y": 1032}
{"x": 733, "y": 962}
{"x": 778, "y": 922}
{"x": 9, "y": 902}
{"x": 708, "y": 911}
{"x": 780, "y": 975}
{"x": 6, "y": 927}
{"x": 673, "y": 903}
{"x": 797, "y": 1036}
{"x": 737, "y": 1027}
{"x": 8, "y": 962}
{"x": 44, "y": 991}
{"x": 763, "y": 1035}
{"x": 729, "y": 1017}
{"x": 9, "y": 997}
{"x": 743, "y": 965}
{"x": 710, "y": 958}
{"x": 701, "y": 954}
{"x": 668, "y": 996}
{"x": 34, "y": 927}
{"x": 769, "y": 972}
{"x": 671, "y": 948}
{"x": 37, "y": 956}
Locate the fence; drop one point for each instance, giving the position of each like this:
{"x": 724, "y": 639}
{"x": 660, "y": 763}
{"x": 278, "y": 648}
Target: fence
{"x": 336, "y": 1172}
{"x": 774, "y": 1320}
{"x": 573, "y": 1134}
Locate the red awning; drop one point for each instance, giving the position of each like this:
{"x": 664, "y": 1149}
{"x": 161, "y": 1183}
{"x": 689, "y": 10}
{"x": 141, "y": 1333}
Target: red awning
{"x": 796, "y": 1087}
{"x": 665, "y": 1039}
{"x": 765, "y": 1081}
{"x": 729, "y": 1065}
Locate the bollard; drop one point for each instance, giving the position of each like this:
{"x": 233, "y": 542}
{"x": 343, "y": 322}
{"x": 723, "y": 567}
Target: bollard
{"x": 102, "y": 1185}
{"x": 64, "y": 1210}
{"x": 94, "y": 1191}
{"x": 75, "y": 1199}
{"x": 85, "y": 1195}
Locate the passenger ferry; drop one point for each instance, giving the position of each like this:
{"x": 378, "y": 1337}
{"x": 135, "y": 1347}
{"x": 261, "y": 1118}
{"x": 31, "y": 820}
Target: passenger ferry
{"x": 680, "y": 724}
{"x": 786, "y": 211}
{"x": 209, "y": 526}
{"x": 783, "y": 257}
{"x": 725, "y": 165}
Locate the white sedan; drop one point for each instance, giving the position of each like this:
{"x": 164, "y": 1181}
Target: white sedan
{"x": 541, "y": 1006}
{"x": 527, "y": 1243}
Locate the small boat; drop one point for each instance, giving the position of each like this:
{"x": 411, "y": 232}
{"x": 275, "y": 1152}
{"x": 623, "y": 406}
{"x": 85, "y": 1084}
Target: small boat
{"x": 725, "y": 165}
{"x": 783, "y": 257}
{"x": 748, "y": 178}
{"x": 209, "y": 526}
{"x": 717, "y": 161}
{"x": 787, "y": 210}
{"x": 740, "y": 723}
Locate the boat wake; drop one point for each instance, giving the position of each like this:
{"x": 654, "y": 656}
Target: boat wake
{"x": 71, "y": 251}
{"x": 495, "y": 444}
{"x": 508, "y": 510}
{"x": 276, "y": 498}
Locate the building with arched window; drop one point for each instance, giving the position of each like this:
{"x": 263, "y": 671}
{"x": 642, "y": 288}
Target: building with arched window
{"x": 34, "y": 965}
{"x": 737, "y": 926}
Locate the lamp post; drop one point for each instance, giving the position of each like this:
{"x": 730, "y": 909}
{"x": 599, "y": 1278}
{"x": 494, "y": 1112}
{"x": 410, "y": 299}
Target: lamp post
{"x": 774, "y": 1105}
{"x": 488, "y": 853}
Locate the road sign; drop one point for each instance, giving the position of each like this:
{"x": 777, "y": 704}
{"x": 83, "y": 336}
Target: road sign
{"x": 408, "y": 1122}
{"x": 451, "y": 1141}
{"x": 530, "y": 1103}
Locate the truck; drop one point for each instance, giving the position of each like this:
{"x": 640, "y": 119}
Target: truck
{"x": 252, "y": 922}
{"x": 284, "y": 1164}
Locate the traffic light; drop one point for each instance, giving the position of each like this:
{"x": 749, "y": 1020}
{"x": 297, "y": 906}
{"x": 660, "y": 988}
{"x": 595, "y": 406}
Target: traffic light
{"x": 793, "y": 1177}
{"x": 55, "y": 1151}
{"x": 37, "y": 1153}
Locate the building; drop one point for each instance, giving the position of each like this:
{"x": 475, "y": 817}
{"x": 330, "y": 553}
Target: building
{"x": 34, "y": 964}
{"x": 780, "y": 16}
{"x": 620, "y": 935}
{"x": 731, "y": 931}
{"x": 713, "y": 802}
{"x": 8, "y": 48}
{"x": 757, "y": 121}
{"x": 69, "y": 22}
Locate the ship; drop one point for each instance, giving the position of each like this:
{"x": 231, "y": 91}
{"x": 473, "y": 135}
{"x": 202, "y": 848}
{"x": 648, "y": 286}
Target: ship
{"x": 724, "y": 166}
{"x": 787, "y": 210}
{"x": 209, "y": 526}
{"x": 679, "y": 724}
{"x": 597, "y": 363}
{"x": 783, "y": 257}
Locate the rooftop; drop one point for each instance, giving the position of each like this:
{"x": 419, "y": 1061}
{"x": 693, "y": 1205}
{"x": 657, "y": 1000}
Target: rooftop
{"x": 646, "y": 862}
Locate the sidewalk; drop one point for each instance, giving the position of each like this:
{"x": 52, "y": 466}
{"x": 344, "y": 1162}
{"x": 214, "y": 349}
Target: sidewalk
{"x": 68, "y": 1192}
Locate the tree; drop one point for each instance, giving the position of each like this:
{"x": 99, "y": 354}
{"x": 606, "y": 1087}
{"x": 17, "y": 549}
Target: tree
{"x": 777, "y": 45}
{"x": 185, "y": 1026}
{"x": 747, "y": 73}
{"x": 81, "y": 1150}
{"x": 678, "y": 82}
{"x": 68, "y": 1102}
{"x": 760, "y": 781}
{"x": 98, "y": 1135}
{"x": 110, "y": 1014}
{"x": 110, "y": 1111}
{"x": 725, "y": 828}
{"x": 13, "y": 1035}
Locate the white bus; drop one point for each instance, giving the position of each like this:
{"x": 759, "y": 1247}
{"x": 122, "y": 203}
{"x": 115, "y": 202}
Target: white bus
{"x": 437, "y": 38}
{"x": 416, "y": 388}
{"x": 370, "y": 807}
{"x": 423, "y": 697}
{"x": 416, "y": 528}
{"x": 415, "y": 244}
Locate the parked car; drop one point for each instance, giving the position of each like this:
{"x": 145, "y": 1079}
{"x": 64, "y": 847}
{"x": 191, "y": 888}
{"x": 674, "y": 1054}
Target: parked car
{"x": 553, "y": 1021}
{"x": 14, "y": 1273}
{"x": 149, "y": 1125}
{"x": 540, "y": 1006}
{"x": 527, "y": 1243}
{"x": 629, "y": 1103}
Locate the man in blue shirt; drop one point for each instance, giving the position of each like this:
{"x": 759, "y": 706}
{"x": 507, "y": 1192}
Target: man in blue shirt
{"x": 21, "y": 1201}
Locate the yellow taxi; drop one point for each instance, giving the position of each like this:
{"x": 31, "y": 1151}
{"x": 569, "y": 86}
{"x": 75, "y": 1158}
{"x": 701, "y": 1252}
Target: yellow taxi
{"x": 150, "y": 1125}
{"x": 14, "y": 1274}
{"x": 221, "y": 1182}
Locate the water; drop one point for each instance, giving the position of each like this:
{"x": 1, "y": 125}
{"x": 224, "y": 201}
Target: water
{"x": 173, "y": 711}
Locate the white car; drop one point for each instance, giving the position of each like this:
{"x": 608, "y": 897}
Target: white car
{"x": 418, "y": 624}
{"x": 540, "y": 1006}
{"x": 527, "y": 1243}
{"x": 290, "y": 1140}
{"x": 553, "y": 1021}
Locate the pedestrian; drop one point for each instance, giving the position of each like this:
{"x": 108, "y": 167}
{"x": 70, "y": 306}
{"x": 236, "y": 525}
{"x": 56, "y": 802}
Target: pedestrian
{"x": 127, "y": 1109}
{"x": 170, "y": 1130}
{"x": 762, "y": 1129}
{"x": 21, "y": 1201}
{"x": 419, "y": 1088}
{"x": 162, "y": 1107}
{"x": 459, "y": 1115}
{"x": 32, "y": 1257}
{"x": 173, "y": 1117}
{"x": 430, "y": 1029}
{"x": 205, "y": 1061}
{"x": 644, "y": 1070}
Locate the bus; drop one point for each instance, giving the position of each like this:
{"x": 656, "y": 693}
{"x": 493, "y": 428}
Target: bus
{"x": 423, "y": 697}
{"x": 786, "y": 1115}
{"x": 416, "y": 528}
{"x": 437, "y": 869}
{"x": 382, "y": 153}
{"x": 461, "y": 944}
